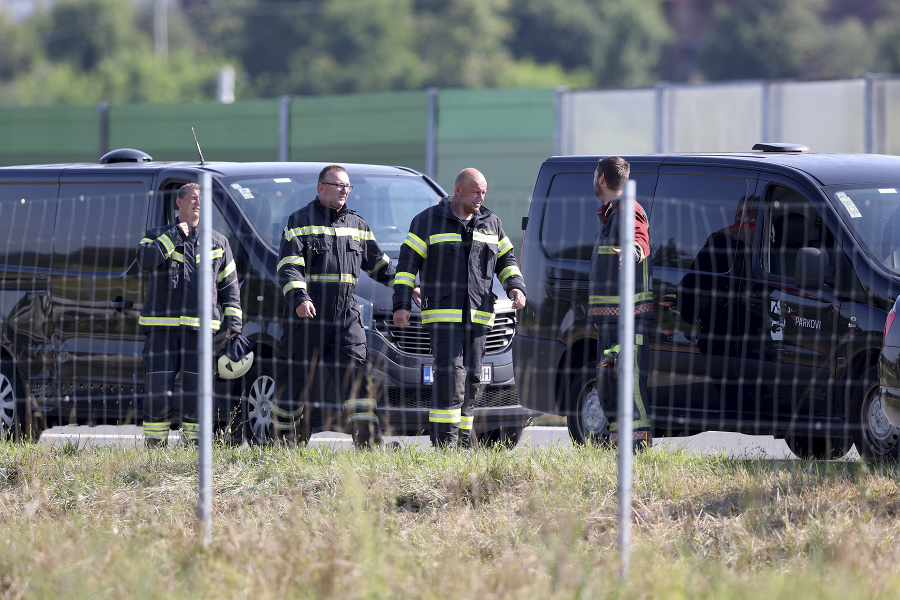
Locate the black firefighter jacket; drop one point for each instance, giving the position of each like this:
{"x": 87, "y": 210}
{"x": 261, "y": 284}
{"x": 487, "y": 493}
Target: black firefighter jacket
{"x": 172, "y": 294}
{"x": 603, "y": 298}
{"x": 321, "y": 253}
{"x": 456, "y": 262}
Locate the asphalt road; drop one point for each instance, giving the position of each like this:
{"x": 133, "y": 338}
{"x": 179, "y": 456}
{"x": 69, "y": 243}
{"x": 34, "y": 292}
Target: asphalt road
{"x": 734, "y": 445}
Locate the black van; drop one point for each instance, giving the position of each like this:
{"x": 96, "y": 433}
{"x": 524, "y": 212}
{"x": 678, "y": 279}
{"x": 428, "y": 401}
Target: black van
{"x": 773, "y": 272}
{"x": 71, "y": 293}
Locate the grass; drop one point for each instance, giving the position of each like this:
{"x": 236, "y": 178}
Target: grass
{"x": 531, "y": 523}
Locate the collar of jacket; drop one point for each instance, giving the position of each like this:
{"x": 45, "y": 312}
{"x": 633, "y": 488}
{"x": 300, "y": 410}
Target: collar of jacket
{"x": 447, "y": 211}
{"x": 193, "y": 232}
{"x": 329, "y": 213}
{"x": 604, "y": 209}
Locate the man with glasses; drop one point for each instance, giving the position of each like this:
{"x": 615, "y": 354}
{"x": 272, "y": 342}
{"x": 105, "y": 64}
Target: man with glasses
{"x": 322, "y": 250}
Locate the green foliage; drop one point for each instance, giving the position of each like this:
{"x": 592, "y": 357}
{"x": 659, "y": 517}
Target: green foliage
{"x": 84, "y": 33}
{"x": 356, "y": 45}
{"x": 619, "y": 42}
{"x": 18, "y": 54}
{"x": 786, "y": 39}
{"x": 131, "y": 76}
{"x": 762, "y": 38}
{"x": 83, "y": 51}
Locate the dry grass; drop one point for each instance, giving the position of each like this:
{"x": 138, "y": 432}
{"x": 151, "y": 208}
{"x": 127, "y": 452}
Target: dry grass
{"x": 532, "y": 523}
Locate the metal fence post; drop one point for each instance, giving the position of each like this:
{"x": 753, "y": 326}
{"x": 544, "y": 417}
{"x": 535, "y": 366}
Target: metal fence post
{"x": 204, "y": 506}
{"x": 625, "y": 366}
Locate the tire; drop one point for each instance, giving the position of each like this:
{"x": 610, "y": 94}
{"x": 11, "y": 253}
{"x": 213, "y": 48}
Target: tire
{"x": 256, "y": 406}
{"x": 874, "y": 436}
{"x": 585, "y": 417}
{"x": 14, "y": 426}
{"x": 501, "y": 437}
{"x": 818, "y": 448}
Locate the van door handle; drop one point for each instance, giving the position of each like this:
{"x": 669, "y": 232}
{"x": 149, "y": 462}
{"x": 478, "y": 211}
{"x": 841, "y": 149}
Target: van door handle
{"x": 121, "y": 304}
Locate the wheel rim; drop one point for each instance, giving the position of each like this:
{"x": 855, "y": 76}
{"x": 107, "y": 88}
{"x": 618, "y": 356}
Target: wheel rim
{"x": 880, "y": 434}
{"x": 7, "y": 406}
{"x": 594, "y": 423}
{"x": 259, "y": 407}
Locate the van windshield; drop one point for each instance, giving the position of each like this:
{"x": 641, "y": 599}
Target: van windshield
{"x": 873, "y": 216}
{"x": 388, "y": 203}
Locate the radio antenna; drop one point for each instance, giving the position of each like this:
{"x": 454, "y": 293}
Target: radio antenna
{"x": 199, "y": 151}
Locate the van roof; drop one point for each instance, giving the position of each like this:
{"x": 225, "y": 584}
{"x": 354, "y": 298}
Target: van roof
{"x": 825, "y": 168}
{"x": 224, "y": 169}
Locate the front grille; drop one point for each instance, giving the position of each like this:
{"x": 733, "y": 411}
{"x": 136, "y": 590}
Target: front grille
{"x": 490, "y": 396}
{"x": 414, "y": 339}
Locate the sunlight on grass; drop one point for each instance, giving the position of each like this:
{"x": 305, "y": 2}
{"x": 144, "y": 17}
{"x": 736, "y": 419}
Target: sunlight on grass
{"x": 529, "y": 523}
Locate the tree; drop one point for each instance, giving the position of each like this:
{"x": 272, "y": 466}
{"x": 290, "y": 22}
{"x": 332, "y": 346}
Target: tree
{"x": 85, "y": 32}
{"x": 619, "y": 42}
{"x": 99, "y": 50}
{"x": 18, "y": 51}
{"x": 777, "y": 39}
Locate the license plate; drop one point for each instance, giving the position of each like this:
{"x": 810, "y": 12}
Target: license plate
{"x": 487, "y": 374}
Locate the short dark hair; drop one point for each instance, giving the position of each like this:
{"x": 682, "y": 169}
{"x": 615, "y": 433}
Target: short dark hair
{"x": 188, "y": 186}
{"x": 616, "y": 171}
{"x": 324, "y": 172}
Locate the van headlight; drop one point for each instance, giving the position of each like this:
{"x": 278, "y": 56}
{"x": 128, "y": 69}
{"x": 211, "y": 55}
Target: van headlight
{"x": 366, "y": 311}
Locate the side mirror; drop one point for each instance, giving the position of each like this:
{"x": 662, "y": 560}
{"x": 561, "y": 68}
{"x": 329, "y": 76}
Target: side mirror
{"x": 811, "y": 268}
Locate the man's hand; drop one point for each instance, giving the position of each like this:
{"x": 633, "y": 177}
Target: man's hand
{"x": 184, "y": 228}
{"x": 401, "y": 317}
{"x": 231, "y": 334}
{"x": 417, "y": 295}
{"x": 517, "y": 297}
{"x": 305, "y": 310}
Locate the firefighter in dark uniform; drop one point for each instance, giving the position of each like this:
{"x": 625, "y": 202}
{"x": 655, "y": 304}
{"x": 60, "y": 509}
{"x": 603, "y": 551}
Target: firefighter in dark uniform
{"x": 170, "y": 316}
{"x": 322, "y": 250}
{"x": 603, "y": 302}
{"x": 456, "y": 248}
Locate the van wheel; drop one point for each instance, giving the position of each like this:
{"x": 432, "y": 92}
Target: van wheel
{"x": 818, "y": 448}
{"x": 256, "y": 406}
{"x": 502, "y": 437}
{"x": 587, "y": 421}
{"x": 10, "y": 394}
{"x": 14, "y": 426}
{"x": 875, "y": 437}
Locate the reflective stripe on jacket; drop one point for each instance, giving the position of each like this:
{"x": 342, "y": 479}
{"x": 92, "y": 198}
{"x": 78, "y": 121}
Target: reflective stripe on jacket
{"x": 452, "y": 280}
{"x": 172, "y": 260}
{"x": 603, "y": 294}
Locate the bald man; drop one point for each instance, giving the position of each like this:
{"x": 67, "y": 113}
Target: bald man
{"x": 456, "y": 248}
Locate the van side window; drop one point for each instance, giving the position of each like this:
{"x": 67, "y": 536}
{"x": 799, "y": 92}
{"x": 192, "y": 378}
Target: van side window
{"x": 570, "y": 219}
{"x": 790, "y": 223}
{"x": 699, "y": 222}
{"x": 99, "y": 225}
{"x": 26, "y": 228}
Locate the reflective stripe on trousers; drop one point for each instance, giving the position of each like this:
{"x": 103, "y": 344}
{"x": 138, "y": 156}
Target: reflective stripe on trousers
{"x": 458, "y": 351}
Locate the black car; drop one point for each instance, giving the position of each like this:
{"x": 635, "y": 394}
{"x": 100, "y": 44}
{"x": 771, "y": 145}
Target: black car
{"x": 889, "y": 376}
{"x": 71, "y": 293}
{"x": 773, "y": 273}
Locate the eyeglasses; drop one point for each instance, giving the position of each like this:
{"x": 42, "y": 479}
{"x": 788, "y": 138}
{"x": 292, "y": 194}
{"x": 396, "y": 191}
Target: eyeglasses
{"x": 344, "y": 187}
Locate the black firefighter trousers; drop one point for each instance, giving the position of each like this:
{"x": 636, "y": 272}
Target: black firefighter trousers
{"x": 168, "y": 350}
{"x": 607, "y": 385}
{"x": 303, "y": 405}
{"x": 458, "y": 351}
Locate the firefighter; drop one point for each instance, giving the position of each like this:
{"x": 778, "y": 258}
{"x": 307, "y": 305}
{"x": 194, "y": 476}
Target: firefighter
{"x": 170, "y": 316}
{"x": 456, "y": 248}
{"x": 603, "y": 301}
{"x": 322, "y": 250}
